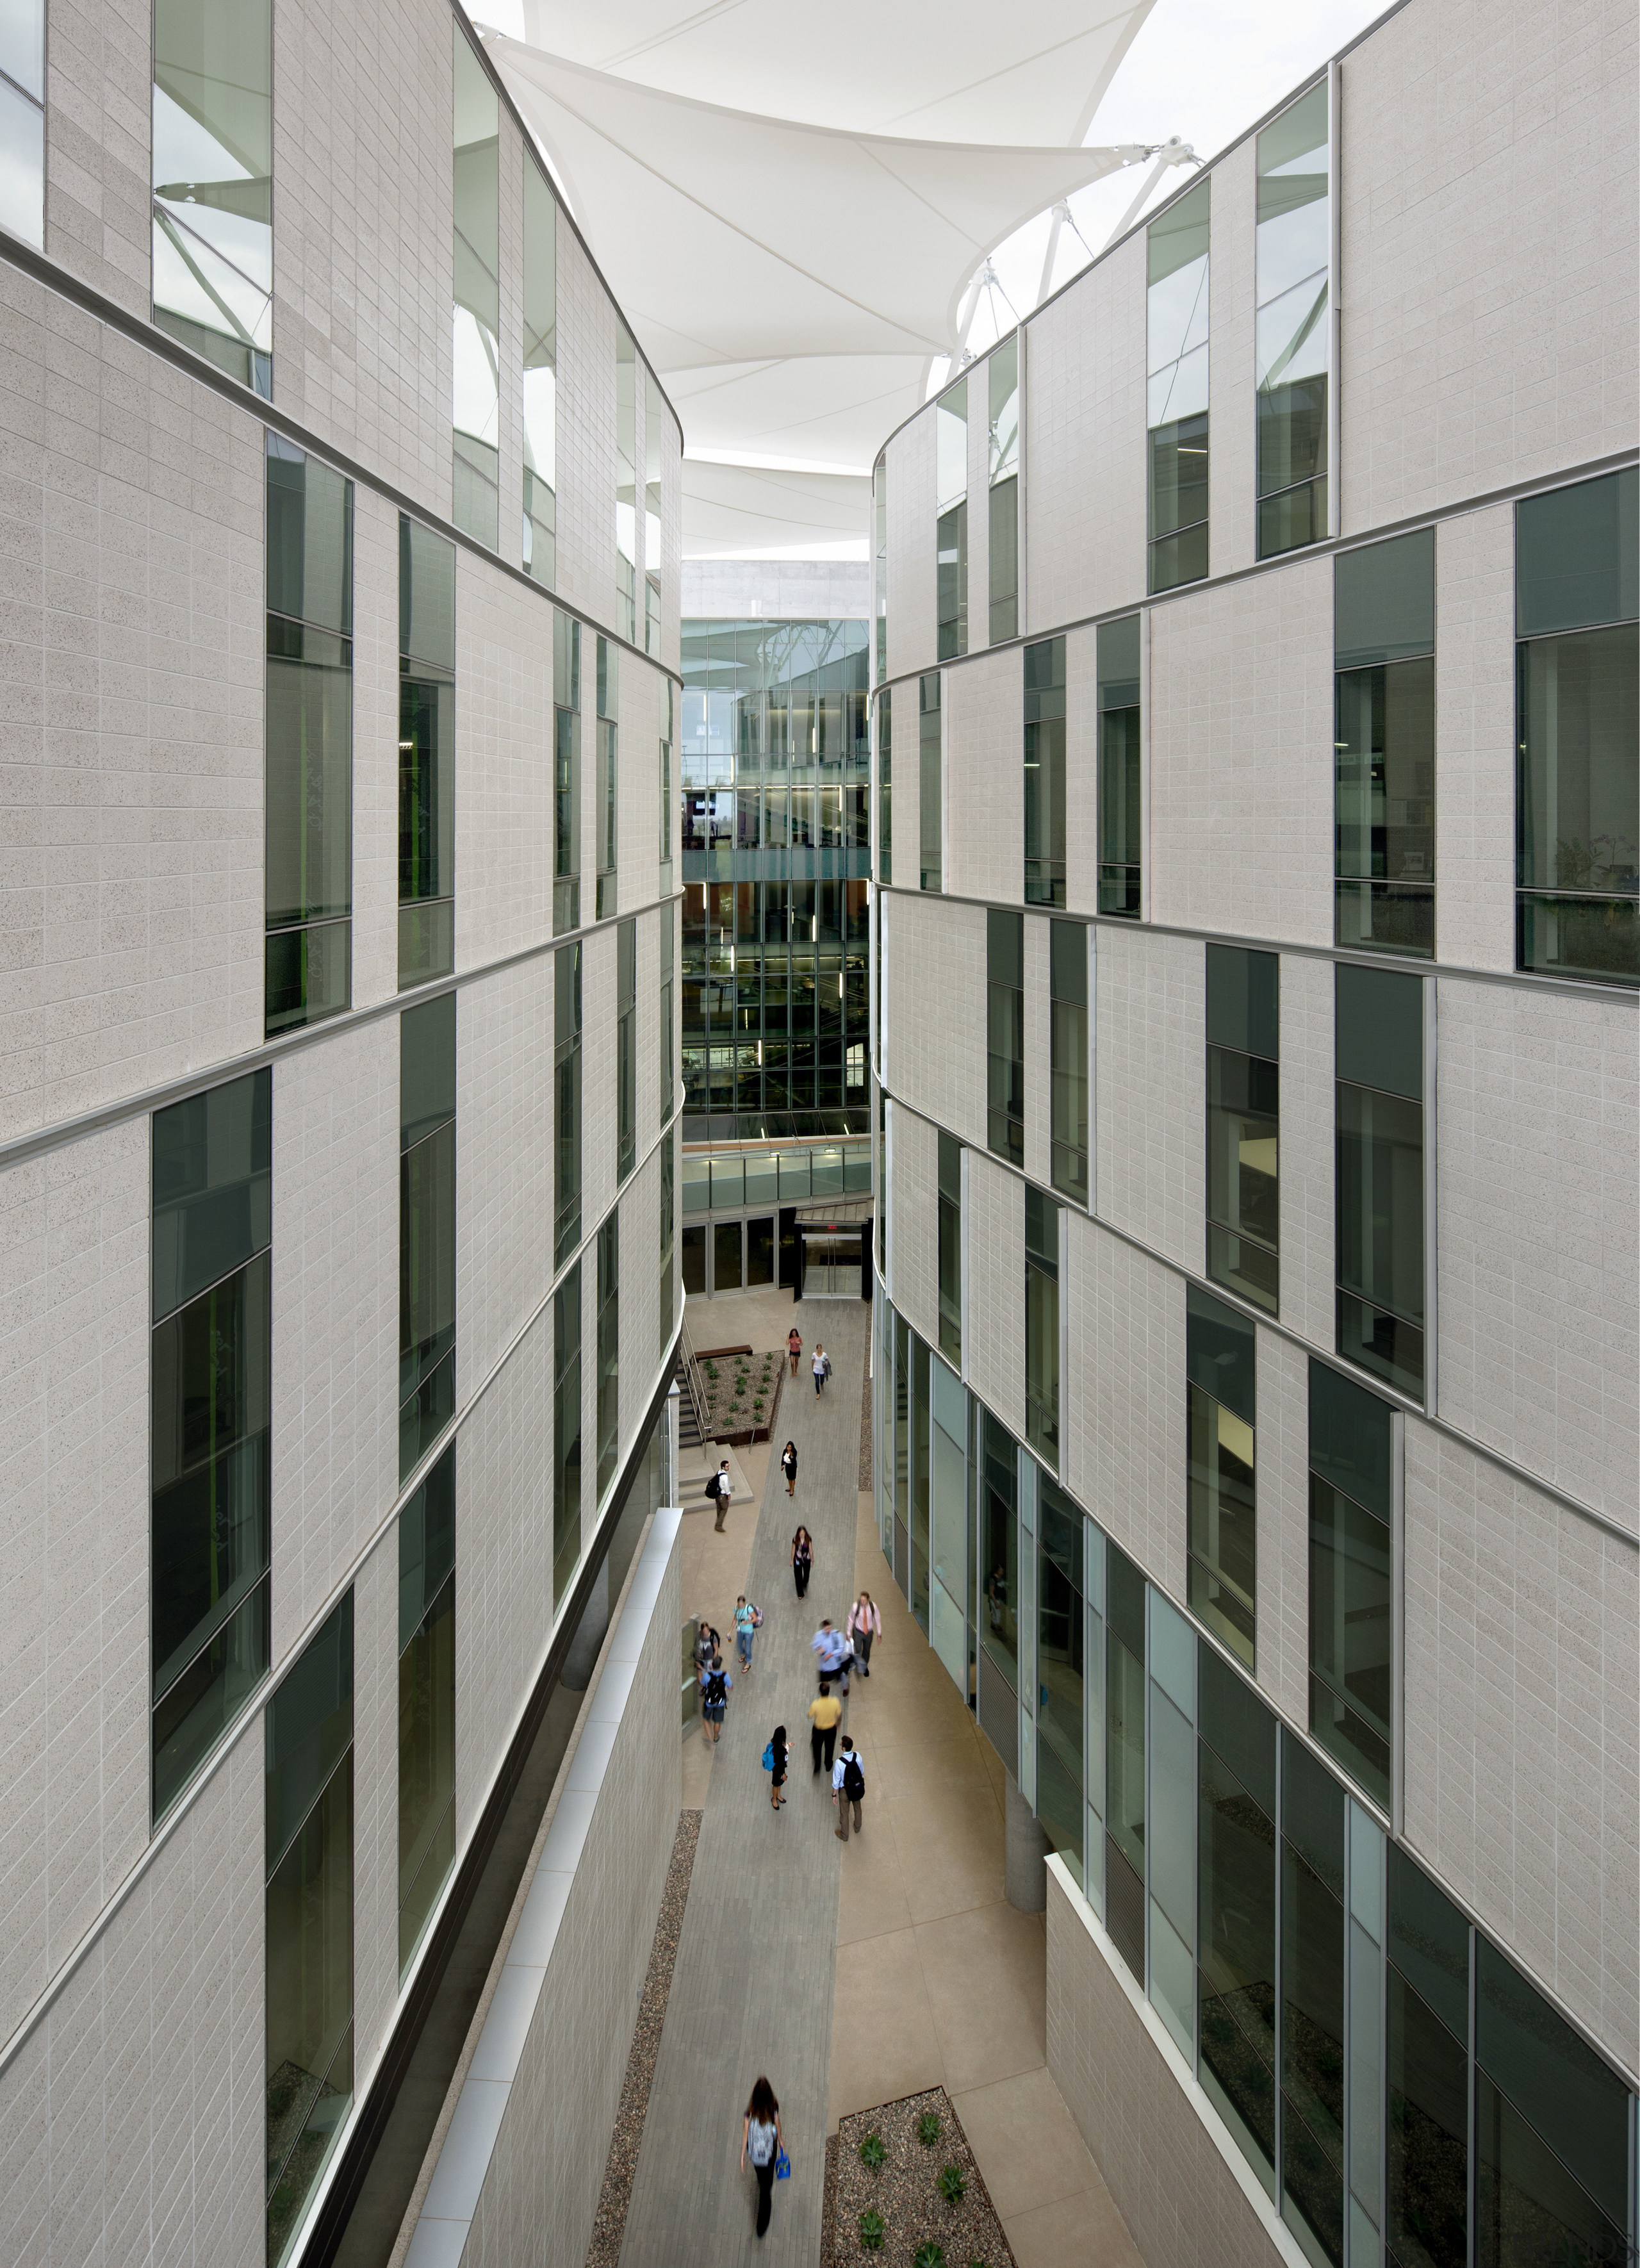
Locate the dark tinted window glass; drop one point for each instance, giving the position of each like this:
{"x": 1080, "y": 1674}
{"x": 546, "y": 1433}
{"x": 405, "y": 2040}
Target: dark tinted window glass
{"x": 1068, "y": 962}
{"x": 426, "y": 1545}
{"x": 1126, "y": 1600}
{"x": 1239, "y": 1724}
{"x": 1576, "y": 556}
{"x": 1219, "y": 1351}
{"x": 1118, "y": 663}
{"x": 1429, "y": 1941}
{"x": 1350, "y": 1437}
{"x": 1428, "y": 2124}
{"x": 1004, "y": 945}
{"x": 426, "y": 595}
{"x": 1384, "y": 601}
{"x": 1243, "y": 1001}
{"x": 427, "y": 1072}
{"x": 212, "y": 1191}
{"x": 308, "y": 1725}
{"x": 1380, "y": 1029}
{"x": 1577, "y": 2104}
{"x": 1312, "y": 1814}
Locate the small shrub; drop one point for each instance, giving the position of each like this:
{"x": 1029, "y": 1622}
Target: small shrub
{"x": 873, "y": 2152}
{"x": 931, "y": 2256}
{"x": 874, "y": 2228}
{"x": 953, "y": 2185}
{"x": 928, "y": 2129}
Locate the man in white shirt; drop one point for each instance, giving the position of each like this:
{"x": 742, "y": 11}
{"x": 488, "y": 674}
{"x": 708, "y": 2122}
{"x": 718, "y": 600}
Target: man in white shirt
{"x": 848, "y": 1788}
{"x": 723, "y": 1493}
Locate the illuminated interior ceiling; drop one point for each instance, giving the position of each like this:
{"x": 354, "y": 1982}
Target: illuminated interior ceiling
{"x": 791, "y": 216}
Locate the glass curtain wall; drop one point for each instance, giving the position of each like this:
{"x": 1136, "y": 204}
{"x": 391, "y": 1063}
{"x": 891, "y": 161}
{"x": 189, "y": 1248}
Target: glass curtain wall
{"x": 950, "y": 1249}
{"x": 1292, "y": 335}
{"x": 1379, "y": 1173}
{"x": 667, "y": 1021}
{"x": 1578, "y": 798}
{"x": 950, "y": 533}
{"x": 475, "y": 477}
{"x": 566, "y": 772}
{"x": 1045, "y": 773}
{"x": 1384, "y": 745}
{"x": 922, "y": 1480}
{"x": 1222, "y": 1584}
{"x": 1244, "y": 1124}
{"x": 427, "y": 1246}
{"x": 426, "y": 1701}
{"x": 949, "y": 1528}
{"x": 22, "y": 121}
{"x": 1061, "y": 1676}
{"x": 606, "y": 787}
{"x": 1041, "y": 1325}
{"x": 1005, "y": 986}
{"x": 426, "y": 755}
{"x": 884, "y": 787}
{"x": 210, "y": 1386}
{"x": 1067, "y": 946}
{"x": 567, "y": 1100}
{"x": 654, "y": 411}
{"x": 1121, "y": 788}
{"x": 879, "y": 565}
{"x": 1352, "y": 1453}
{"x": 930, "y": 783}
{"x": 1176, "y": 413}
{"x": 309, "y": 858}
{"x": 625, "y": 1049}
{"x": 566, "y": 1434}
{"x": 608, "y": 1352}
{"x": 1003, "y": 461}
{"x": 667, "y": 809}
{"x": 626, "y": 483}
{"x": 540, "y": 314}
{"x": 668, "y": 1239}
{"x": 212, "y": 180}
{"x": 308, "y": 1782}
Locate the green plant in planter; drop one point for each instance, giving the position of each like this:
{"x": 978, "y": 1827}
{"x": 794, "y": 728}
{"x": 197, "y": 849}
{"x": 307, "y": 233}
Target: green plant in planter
{"x": 874, "y": 2228}
{"x": 929, "y": 2255}
{"x": 953, "y": 2185}
{"x": 873, "y": 2152}
{"x": 928, "y": 2129}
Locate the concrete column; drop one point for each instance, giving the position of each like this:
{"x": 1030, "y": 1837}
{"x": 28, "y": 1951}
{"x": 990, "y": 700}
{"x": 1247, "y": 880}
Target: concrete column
{"x": 1027, "y": 1846}
{"x": 577, "y": 1669}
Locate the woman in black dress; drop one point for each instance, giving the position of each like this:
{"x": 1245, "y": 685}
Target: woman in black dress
{"x": 801, "y": 1557}
{"x": 777, "y": 1767}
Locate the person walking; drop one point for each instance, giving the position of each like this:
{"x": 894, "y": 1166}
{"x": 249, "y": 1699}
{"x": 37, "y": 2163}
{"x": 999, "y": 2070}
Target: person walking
{"x": 759, "y": 2142}
{"x": 707, "y": 1643}
{"x": 864, "y": 1624}
{"x": 789, "y": 1466}
{"x": 720, "y": 1488}
{"x": 746, "y": 1620}
{"x": 794, "y": 1347}
{"x": 820, "y": 1365}
{"x": 824, "y": 1712}
{"x": 848, "y": 1788}
{"x": 715, "y": 1684}
{"x": 774, "y": 1764}
{"x": 802, "y": 1560}
{"x": 832, "y": 1648}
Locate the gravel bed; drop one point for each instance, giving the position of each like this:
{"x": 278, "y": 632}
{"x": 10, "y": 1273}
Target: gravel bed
{"x": 621, "y": 2165}
{"x": 865, "y": 1431}
{"x": 905, "y": 2191}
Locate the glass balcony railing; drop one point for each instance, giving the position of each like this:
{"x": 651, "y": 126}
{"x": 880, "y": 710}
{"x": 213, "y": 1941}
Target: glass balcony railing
{"x": 727, "y": 1183}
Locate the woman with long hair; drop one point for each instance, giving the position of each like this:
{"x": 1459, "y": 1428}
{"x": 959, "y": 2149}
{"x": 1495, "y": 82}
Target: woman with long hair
{"x": 776, "y": 1766}
{"x": 789, "y": 1466}
{"x": 802, "y": 1559}
{"x": 760, "y": 2140}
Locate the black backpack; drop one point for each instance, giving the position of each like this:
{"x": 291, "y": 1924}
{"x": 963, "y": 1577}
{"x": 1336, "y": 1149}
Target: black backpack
{"x": 853, "y": 1777}
{"x": 717, "y": 1687}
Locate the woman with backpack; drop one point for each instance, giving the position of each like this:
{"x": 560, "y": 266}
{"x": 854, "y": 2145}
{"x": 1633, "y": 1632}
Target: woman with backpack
{"x": 789, "y": 1466}
{"x": 864, "y": 1624}
{"x": 801, "y": 1557}
{"x": 715, "y": 1683}
{"x": 760, "y": 2140}
{"x": 775, "y": 1765}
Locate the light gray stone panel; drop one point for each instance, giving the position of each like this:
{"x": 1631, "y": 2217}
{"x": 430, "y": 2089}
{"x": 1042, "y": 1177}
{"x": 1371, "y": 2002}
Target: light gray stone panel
{"x": 504, "y": 814}
{"x": 1232, "y": 440}
{"x": 131, "y": 923}
{"x": 984, "y": 703}
{"x": 376, "y": 750}
{"x": 994, "y": 1341}
{"x": 1489, "y": 287}
{"x": 935, "y": 986}
{"x": 1084, "y": 445}
{"x": 335, "y": 1314}
{"x": 1241, "y": 780}
{"x": 1149, "y": 1090}
{"x": 912, "y": 548}
{"x": 1520, "y": 1708}
{"x": 914, "y": 1197}
{"x": 586, "y": 438}
{"x": 1474, "y": 738}
{"x": 1038, "y": 1051}
{"x": 74, "y": 1598}
{"x": 504, "y": 1150}
{"x": 99, "y": 171}
{"x": 1282, "y": 1467}
{"x": 1307, "y": 1147}
{"x": 1537, "y": 1107}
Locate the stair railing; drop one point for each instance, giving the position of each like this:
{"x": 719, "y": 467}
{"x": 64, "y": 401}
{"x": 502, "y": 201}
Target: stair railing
{"x": 694, "y": 1381}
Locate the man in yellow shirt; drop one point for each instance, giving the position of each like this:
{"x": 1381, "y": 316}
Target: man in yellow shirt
{"x": 823, "y": 1720}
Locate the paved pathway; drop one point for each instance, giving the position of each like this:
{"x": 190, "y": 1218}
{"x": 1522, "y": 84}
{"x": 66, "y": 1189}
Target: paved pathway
{"x": 751, "y": 1990}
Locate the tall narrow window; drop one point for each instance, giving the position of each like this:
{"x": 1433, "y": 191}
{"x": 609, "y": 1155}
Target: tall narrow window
{"x": 308, "y": 1810}
{"x": 951, "y": 469}
{"x": 1236, "y": 1942}
{"x": 210, "y": 1386}
{"x": 1121, "y": 787}
{"x": 1068, "y": 988}
{"x": 1577, "y": 801}
{"x": 607, "y": 786}
{"x": 931, "y": 781}
{"x": 475, "y": 492}
{"x": 426, "y": 755}
{"x": 626, "y": 483}
{"x": 566, "y": 772}
{"x": 625, "y": 1048}
{"x": 212, "y": 177}
{"x": 1312, "y": 2002}
{"x": 309, "y": 867}
{"x": 567, "y": 1100}
{"x": 1045, "y": 773}
{"x": 1243, "y": 1124}
{"x": 1430, "y": 2082}
{"x": 608, "y": 1352}
{"x": 427, "y": 1197}
{"x": 668, "y": 1239}
{"x": 1003, "y": 455}
{"x": 1219, "y": 1430}
{"x": 1292, "y": 329}
{"x": 951, "y": 1250}
{"x": 1061, "y": 1643}
{"x": 1351, "y": 1442}
{"x": 668, "y": 1012}
{"x": 1124, "y": 1759}
{"x": 1384, "y": 744}
{"x": 1004, "y": 984}
{"x": 23, "y": 123}
{"x": 1176, "y": 324}
{"x": 654, "y": 411}
{"x": 665, "y": 771}
{"x": 879, "y": 521}
{"x": 426, "y": 1700}
{"x": 541, "y": 375}
{"x": 884, "y": 787}
{"x": 1379, "y": 1028}
{"x": 1041, "y": 1325}
{"x": 566, "y": 1434}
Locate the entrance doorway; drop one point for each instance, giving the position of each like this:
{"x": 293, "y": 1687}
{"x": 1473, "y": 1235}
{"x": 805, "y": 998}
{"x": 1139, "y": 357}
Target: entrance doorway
{"x": 831, "y": 1267}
